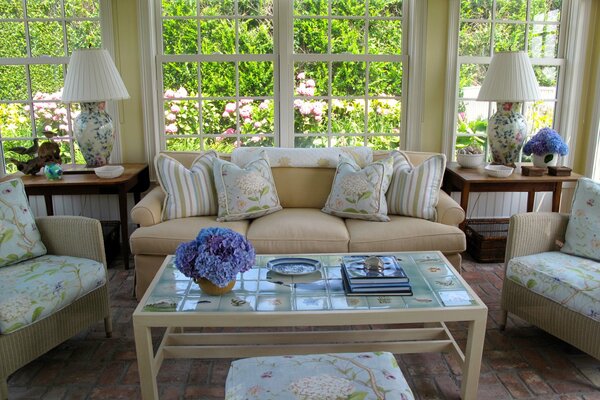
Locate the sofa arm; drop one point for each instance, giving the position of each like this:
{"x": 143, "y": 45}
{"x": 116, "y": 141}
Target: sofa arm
{"x": 72, "y": 236}
{"x": 532, "y": 233}
{"x": 148, "y": 211}
{"x": 449, "y": 211}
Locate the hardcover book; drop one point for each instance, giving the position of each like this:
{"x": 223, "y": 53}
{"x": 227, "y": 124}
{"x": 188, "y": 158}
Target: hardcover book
{"x": 385, "y": 290}
{"x": 358, "y": 273}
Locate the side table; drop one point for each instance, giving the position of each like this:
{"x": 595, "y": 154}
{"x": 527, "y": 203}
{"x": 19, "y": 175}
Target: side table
{"x": 467, "y": 180}
{"x": 135, "y": 179}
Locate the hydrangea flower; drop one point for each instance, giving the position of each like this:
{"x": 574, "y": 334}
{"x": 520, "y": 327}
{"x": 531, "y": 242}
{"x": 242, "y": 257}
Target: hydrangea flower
{"x": 546, "y": 141}
{"x": 217, "y": 254}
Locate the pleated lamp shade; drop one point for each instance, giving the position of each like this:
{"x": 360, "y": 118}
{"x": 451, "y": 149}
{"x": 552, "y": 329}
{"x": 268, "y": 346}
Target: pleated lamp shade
{"x": 91, "y": 77}
{"x": 510, "y": 78}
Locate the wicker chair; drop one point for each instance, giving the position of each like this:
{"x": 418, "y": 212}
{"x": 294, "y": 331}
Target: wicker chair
{"x": 62, "y": 235}
{"x": 534, "y": 233}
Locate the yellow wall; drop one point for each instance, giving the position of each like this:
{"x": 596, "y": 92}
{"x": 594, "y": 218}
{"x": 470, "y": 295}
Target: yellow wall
{"x": 128, "y": 62}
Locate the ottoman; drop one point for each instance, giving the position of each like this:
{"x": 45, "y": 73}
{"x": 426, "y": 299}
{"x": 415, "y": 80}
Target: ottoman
{"x": 317, "y": 377}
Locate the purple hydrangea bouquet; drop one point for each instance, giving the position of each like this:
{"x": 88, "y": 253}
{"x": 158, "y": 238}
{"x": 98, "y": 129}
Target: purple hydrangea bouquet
{"x": 217, "y": 254}
{"x": 544, "y": 142}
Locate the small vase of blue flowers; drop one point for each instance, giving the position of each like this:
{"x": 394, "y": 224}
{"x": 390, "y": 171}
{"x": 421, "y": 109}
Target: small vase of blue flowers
{"x": 545, "y": 147}
{"x": 214, "y": 259}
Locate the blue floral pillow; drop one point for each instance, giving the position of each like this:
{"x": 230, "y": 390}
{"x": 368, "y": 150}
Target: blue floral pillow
{"x": 19, "y": 237}
{"x": 245, "y": 193}
{"x": 582, "y": 237}
{"x": 360, "y": 193}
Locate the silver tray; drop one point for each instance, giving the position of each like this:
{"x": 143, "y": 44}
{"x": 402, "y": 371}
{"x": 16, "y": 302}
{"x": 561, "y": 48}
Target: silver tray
{"x": 294, "y": 266}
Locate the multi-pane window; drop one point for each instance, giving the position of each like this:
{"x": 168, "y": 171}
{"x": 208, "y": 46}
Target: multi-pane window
{"x": 303, "y": 73}
{"x": 36, "y": 39}
{"x": 489, "y": 26}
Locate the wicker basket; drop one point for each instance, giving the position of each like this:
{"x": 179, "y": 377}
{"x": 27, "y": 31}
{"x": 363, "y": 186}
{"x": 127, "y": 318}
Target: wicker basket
{"x": 486, "y": 239}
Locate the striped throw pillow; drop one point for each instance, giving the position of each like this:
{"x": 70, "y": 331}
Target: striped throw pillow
{"x": 189, "y": 192}
{"x": 414, "y": 190}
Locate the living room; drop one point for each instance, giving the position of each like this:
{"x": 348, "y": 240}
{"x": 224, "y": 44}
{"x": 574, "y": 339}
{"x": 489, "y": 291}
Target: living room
{"x": 381, "y": 75}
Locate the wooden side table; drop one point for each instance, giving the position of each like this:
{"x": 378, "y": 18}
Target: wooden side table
{"x": 467, "y": 180}
{"x": 135, "y": 179}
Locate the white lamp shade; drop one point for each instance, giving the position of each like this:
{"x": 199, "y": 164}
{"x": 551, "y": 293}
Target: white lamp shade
{"x": 510, "y": 78}
{"x": 92, "y": 76}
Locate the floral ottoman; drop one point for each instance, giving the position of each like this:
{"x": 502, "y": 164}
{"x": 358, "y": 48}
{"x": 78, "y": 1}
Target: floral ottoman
{"x": 317, "y": 377}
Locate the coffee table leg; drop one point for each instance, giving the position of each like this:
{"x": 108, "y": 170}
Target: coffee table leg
{"x": 472, "y": 365}
{"x": 144, "y": 353}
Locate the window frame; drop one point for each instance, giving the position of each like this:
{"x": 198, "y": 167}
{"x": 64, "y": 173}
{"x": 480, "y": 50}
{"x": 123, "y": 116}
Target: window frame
{"x": 105, "y": 20}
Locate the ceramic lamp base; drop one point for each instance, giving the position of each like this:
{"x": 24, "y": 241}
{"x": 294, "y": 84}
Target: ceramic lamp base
{"x": 93, "y": 130}
{"x": 506, "y": 132}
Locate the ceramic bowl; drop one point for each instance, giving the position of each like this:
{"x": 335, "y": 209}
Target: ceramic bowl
{"x": 498, "y": 171}
{"x": 469, "y": 160}
{"x": 109, "y": 171}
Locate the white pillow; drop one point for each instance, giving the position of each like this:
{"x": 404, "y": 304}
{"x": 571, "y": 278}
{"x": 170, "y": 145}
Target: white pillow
{"x": 189, "y": 192}
{"x": 582, "y": 237}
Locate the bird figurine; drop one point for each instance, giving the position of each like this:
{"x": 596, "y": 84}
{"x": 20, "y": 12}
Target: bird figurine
{"x": 27, "y": 150}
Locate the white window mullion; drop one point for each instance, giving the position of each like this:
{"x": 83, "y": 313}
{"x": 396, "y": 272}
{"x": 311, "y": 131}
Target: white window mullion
{"x": 452, "y": 79}
{"x": 284, "y": 98}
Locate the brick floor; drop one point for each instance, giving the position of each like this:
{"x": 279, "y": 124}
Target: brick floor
{"x": 522, "y": 362}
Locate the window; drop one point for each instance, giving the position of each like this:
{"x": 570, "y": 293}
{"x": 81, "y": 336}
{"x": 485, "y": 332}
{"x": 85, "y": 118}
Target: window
{"x": 37, "y": 38}
{"x": 293, "y": 73}
{"x": 488, "y": 26}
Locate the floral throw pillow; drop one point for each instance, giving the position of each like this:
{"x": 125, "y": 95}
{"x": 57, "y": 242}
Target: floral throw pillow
{"x": 245, "y": 193}
{"x": 19, "y": 238}
{"x": 188, "y": 192}
{"x": 582, "y": 237}
{"x": 360, "y": 193}
{"x": 414, "y": 190}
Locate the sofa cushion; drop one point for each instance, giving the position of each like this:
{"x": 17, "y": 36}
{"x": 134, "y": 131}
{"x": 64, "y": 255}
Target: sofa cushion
{"x": 571, "y": 281}
{"x": 163, "y": 238}
{"x": 19, "y": 236}
{"x": 318, "y": 376}
{"x": 360, "y": 193}
{"x": 297, "y": 231}
{"x": 303, "y": 157}
{"x": 582, "y": 237}
{"x": 36, "y": 288}
{"x": 247, "y": 192}
{"x": 404, "y": 234}
{"x": 188, "y": 192}
{"x": 414, "y": 190}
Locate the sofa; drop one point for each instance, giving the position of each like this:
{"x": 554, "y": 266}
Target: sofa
{"x": 300, "y": 227}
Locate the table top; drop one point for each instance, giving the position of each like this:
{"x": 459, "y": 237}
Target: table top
{"x": 478, "y": 175}
{"x": 435, "y": 284}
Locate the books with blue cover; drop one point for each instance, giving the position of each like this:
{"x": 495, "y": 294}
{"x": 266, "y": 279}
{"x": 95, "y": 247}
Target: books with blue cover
{"x": 391, "y": 289}
{"x": 359, "y": 274}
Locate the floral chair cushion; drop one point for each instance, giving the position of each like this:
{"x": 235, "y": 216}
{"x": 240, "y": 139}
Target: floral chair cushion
{"x": 317, "y": 377}
{"x": 36, "y": 288}
{"x": 415, "y": 190}
{"x": 245, "y": 193}
{"x": 582, "y": 237}
{"x": 360, "y": 193}
{"x": 19, "y": 237}
{"x": 188, "y": 192}
{"x": 571, "y": 281}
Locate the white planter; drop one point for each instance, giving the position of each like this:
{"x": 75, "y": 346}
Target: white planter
{"x": 545, "y": 160}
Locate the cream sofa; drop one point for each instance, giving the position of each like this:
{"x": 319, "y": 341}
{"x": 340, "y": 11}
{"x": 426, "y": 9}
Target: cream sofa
{"x": 301, "y": 227}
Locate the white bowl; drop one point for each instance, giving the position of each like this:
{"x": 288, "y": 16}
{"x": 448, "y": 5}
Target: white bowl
{"x": 469, "y": 160}
{"x": 109, "y": 171}
{"x": 498, "y": 171}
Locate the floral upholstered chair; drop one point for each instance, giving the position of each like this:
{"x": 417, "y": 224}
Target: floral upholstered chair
{"x": 53, "y": 280}
{"x": 557, "y": 288}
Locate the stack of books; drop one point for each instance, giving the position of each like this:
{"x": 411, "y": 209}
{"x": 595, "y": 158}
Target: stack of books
{"x": 358, "y": 279}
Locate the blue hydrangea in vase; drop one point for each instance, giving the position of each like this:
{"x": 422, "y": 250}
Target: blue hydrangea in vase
{"x": 545, "y": 147}
{"x": 214, "y": 259}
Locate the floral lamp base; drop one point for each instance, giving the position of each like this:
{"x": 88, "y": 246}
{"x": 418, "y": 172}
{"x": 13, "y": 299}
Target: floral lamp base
{"x": 93, "y": 129}
{"x": 506, "y": 132}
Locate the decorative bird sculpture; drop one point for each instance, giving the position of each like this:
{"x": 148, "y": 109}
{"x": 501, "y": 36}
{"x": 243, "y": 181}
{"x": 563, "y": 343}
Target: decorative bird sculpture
{"x": 27, "y": 150}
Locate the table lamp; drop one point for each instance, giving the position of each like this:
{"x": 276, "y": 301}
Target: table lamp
{"x": 92, "y": 78}
{"x": 509, "y": 81}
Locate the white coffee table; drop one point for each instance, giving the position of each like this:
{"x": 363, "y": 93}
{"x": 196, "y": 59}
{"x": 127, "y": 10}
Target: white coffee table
{"x": 265, "y": 300}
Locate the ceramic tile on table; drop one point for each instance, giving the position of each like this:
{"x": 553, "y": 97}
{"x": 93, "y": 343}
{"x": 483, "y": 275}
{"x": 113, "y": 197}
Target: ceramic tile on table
{"x": 446, "y": 282}
{"x": 435, "y": 270}
{"x": 200, "y": 303}
{"x": 238, "y": 302}
{"x": 335, "y": 286}
{"x": 158, "y": 303}
{"x": 421, "y": 299}
{"x": 273, "y": 303}
{"x": 426, "y": 258}
{"x": 275, "y": 277}
{"x": 315, "y": 276}
{"x": 308, "y": 303}
{"x": 333, "y": 272}
{"x": 349, "y": 302}
{"x": 243, "y": 286}
{"x": 170, "y": 287}
{"x": 316, "y": 287}
{"x": 274, "y": 287}
{"x": 386, "y": 302}
{"x": 252, "y": 275}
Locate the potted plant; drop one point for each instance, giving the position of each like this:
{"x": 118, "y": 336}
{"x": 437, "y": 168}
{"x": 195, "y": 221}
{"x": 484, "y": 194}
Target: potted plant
{"x": 545, "y": 147}
{"x": 214, "y": 259}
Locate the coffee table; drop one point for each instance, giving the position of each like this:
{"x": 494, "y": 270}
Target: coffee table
{"x": 261, "y": 314}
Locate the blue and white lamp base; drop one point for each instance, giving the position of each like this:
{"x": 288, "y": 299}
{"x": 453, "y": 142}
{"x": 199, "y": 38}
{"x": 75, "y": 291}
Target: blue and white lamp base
{"x": 506, "y": 133}
{"x": 94, "y": 131}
